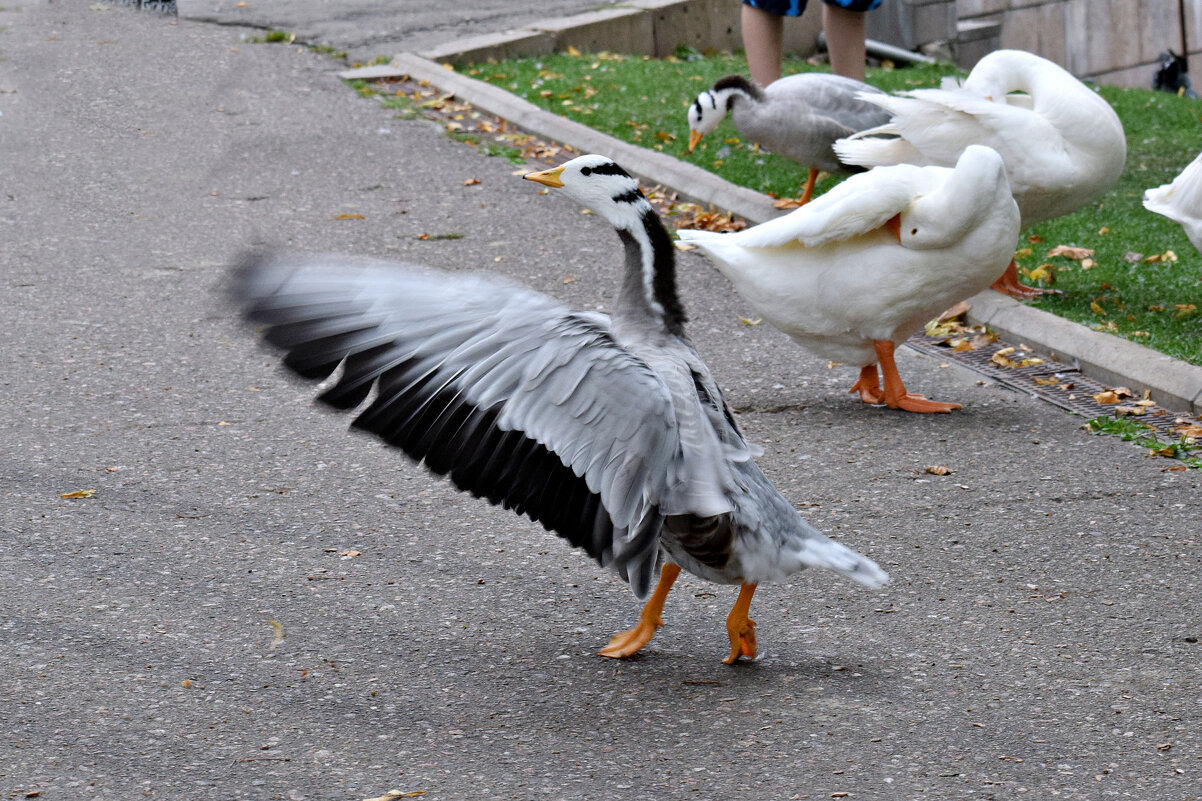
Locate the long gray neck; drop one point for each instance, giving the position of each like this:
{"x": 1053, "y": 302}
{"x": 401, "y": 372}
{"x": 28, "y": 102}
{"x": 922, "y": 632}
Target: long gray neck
{"x": 647, "y": 300}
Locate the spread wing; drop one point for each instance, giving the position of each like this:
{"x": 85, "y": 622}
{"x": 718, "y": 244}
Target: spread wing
{"x": 509, "y": 393}
{"x": 935, "y": 125}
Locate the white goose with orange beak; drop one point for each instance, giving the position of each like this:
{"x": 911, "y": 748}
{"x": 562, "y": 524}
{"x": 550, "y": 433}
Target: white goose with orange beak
{"x": 853, "y": 273}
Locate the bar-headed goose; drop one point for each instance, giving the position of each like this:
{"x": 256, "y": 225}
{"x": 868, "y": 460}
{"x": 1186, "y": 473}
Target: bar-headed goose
{"x": 862, "y": 267}
{"x": 798, "y": 117}
{"x": 1062, "y": 143}
{"x": 1181, "y": 201}
{"x": 609, "y": 431}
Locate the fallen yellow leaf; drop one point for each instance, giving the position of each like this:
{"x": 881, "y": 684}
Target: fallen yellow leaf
{"x": 394, "y": 794}
{"x": 1097, "y": 309}
{"x": 746, "y": 321}
{"x": 1107, "y": 397}
{"x": 1041, "y": 273}
{"x": 938, "y": 470}
{"x": 83, "y": 493}
{"x": 1068, "y": 252}
{"x": 958, "y": 310}
{"x": 1161, "y": 258}
{"x": 277, "y": 633}
{"x": 350, "y": 217}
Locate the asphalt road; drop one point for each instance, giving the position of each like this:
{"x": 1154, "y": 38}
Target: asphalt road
{"x": 369, "y": 28}
{"x": 1039, "y": 638}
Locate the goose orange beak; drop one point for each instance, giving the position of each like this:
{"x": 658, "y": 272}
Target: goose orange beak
{"x": 694, "y": 138}
{"x": 546, "y": 177}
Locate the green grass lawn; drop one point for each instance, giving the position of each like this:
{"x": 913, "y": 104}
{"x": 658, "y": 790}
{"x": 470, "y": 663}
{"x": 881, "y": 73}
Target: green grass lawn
{"x": 1156, "y": 303}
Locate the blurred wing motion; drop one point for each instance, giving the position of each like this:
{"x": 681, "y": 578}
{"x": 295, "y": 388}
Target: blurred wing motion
{"x": 512, "y": 395}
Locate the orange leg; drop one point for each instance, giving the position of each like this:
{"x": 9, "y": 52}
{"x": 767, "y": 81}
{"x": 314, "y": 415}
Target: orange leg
{"x": 868, "y": 385}
{"x": 896, "y": 396}
{"x": 1008, "y": 284}
{"x": 628, "y": 643}
{"x": 740, "y": 627}
{"x": 808, "y": 193}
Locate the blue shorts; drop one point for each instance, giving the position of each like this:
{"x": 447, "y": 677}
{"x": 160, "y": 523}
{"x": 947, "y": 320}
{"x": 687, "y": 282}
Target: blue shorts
{"x": 793, "y": 8}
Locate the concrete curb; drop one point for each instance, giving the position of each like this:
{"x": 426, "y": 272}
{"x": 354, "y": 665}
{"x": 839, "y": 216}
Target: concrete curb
{"x": 691, "y": 182}
{"x": 1173, "y": 383}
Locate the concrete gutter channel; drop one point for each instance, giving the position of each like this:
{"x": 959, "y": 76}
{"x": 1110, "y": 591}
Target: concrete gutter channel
{"x": 1173, "y": 384}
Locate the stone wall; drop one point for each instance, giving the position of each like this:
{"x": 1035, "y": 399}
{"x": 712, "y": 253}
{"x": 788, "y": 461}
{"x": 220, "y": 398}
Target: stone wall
{"x": 1109, "y": 41}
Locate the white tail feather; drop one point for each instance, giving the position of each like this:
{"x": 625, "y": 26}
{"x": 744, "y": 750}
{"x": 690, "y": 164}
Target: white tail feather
{"x": 830, "y": 555}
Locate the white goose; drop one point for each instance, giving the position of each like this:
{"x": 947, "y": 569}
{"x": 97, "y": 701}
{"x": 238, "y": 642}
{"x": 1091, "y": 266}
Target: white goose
{"x": 609, "y": 431}
{"x": 1181, "y": 201}
{"x": 862, "y": 267}
{"x": 798, "y": 117}
{"x": 1062, "y": 143}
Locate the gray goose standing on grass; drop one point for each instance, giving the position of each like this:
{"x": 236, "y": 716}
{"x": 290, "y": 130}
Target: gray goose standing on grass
{"x": 798, "y": 117}
{"x": 609, "y": 431}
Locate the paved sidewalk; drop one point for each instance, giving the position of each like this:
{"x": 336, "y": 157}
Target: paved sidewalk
{"x": 369, "y": 28}
{"x": 1039, "y": 639}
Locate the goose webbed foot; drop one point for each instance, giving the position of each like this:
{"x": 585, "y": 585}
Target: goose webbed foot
{"x": 896, "y": 396}
{"x": 1008, "y": 284}
{"x": 741, "y": 628}
{"x": 628, "y": 643}
{"x": 868, "y": 385}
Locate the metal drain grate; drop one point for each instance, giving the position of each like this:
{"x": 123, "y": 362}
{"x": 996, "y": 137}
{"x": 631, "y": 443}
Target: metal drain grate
{"x": 159, "y": 6}
{"x": 1073, "y": 391}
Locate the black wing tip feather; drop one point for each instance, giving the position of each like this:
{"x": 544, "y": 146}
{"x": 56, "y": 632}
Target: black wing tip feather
{"x": 421, "y": 410}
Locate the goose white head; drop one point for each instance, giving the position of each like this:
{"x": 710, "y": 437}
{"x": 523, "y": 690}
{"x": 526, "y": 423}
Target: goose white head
{"x": 712, "y": 105}
{"x": 975, "y": 194}
{"x": 706, "y": 112}
{"x": 597, "y": 183}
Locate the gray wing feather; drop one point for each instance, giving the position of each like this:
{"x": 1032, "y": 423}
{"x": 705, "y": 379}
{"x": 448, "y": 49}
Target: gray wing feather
{"x": 494, "y": 384}
{"x": 832, "y": 96}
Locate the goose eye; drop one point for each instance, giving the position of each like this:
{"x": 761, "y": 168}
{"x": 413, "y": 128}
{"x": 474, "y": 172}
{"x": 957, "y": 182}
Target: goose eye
{"x": 586, "y": 171}
{"x": 913, "y": 231}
